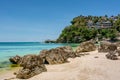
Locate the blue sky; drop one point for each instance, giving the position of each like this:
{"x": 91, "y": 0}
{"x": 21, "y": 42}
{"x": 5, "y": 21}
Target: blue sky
{"x": 38, "y": 20}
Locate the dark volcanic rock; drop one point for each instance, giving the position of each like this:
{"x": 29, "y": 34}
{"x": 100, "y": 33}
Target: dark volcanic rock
{"x": 86, "y": 47}
{"x": 58, "y": 55}
{"x": 15, "y": 60}
{"x": 32, "y": 65}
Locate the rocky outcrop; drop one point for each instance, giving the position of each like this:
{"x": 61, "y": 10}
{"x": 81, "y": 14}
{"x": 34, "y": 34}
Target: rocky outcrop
{"x": 15, "y": 60}
{"x": 58, "y": 55}
{"x": 118, "y": 44}
{"x": 112, "y": 50}
{"x": 69, "y": 53}
{"x": 86, "y": 47}
{"x": 104, "y": 47}
{"x": 111, "y": 56}
{"x": 118, "y": 51}
{"x": 32, "y": 65}
{"x": 112, "y": 47}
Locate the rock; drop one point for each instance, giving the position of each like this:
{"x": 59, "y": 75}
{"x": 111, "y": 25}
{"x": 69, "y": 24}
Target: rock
{"x": 112, "y": 57}
{"x": 50, "y": 41}
{"x": 112, "y": 47}
{"x": 118, "y": 44}
{"x": 86, "y": 47}
{"x": 58, "y": 55}
{"x": 15, "y": 60}
{"x": 96, "y": 57}
{"x": 104, "y": 47}
{"x": 118, "y": 51}
{"x": 67, "y": 52}
{"x": 15, "y": 73}
{"x": 43, "y": 55}
{"x": 112, "y": 50}
{"x": 32, "y": 65}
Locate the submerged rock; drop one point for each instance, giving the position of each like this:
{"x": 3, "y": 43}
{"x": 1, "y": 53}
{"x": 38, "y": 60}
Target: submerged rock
{"x": 58, "y": 55}
{"x": 32, "y": 65}
{"x": 86, "y": 47}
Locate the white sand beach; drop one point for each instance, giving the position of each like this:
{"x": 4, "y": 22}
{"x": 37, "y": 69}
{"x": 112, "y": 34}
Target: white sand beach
{"x": 81, "y": 68}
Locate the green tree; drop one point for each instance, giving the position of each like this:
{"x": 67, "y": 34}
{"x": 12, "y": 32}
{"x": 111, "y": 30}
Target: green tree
{"x": 117, "y": 25}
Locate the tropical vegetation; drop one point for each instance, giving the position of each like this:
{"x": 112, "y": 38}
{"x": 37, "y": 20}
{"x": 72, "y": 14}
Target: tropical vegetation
{"x": 80, "y": 31}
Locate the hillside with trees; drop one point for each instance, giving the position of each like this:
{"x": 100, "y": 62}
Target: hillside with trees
{"x": 84, "y": 28}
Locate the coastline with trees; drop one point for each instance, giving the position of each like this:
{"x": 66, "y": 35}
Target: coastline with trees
{"x": 84, "y": 28}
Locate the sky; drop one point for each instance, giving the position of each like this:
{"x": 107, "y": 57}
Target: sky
{"x": 38, "y": 20}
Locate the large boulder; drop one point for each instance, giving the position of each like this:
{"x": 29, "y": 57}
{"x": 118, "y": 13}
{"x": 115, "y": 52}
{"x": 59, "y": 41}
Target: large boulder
{"x": 112, "y": 50}
{"x": 32, "y": 65}
{"x": 86, "y": 47}
{"x": 118, "y": 51}
{"x": 112, "y": 57}
{"x": 112, "y": 47}
{"x": 58, "y": 55}
{"x": 104, "y": 46}
{"x": 68, "y": 52}
{"x": 118, "y": 44}
{"x": 15, "y": 60}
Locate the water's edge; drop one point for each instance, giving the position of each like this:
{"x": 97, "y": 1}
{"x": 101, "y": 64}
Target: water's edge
{"x": 9, "y": 49}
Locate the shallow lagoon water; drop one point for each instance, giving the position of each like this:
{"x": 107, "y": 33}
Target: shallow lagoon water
{"x": 9, "y": 49}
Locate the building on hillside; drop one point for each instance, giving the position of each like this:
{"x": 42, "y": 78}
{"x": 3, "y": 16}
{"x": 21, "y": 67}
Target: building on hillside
{"x": 105, "y": 24}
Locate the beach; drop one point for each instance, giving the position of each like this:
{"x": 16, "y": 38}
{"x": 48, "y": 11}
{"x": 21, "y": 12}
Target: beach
{"x": 59, "y": 40}
{"x": 94, "y": 66}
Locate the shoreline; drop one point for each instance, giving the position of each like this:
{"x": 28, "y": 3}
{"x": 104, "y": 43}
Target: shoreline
{"x": 10, "y": 70}
{"x": 6, "y": 64}
{"x": 86, "y": 67}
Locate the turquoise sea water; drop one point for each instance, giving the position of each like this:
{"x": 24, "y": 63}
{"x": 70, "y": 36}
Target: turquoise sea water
{"x": 9, "y": 49}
